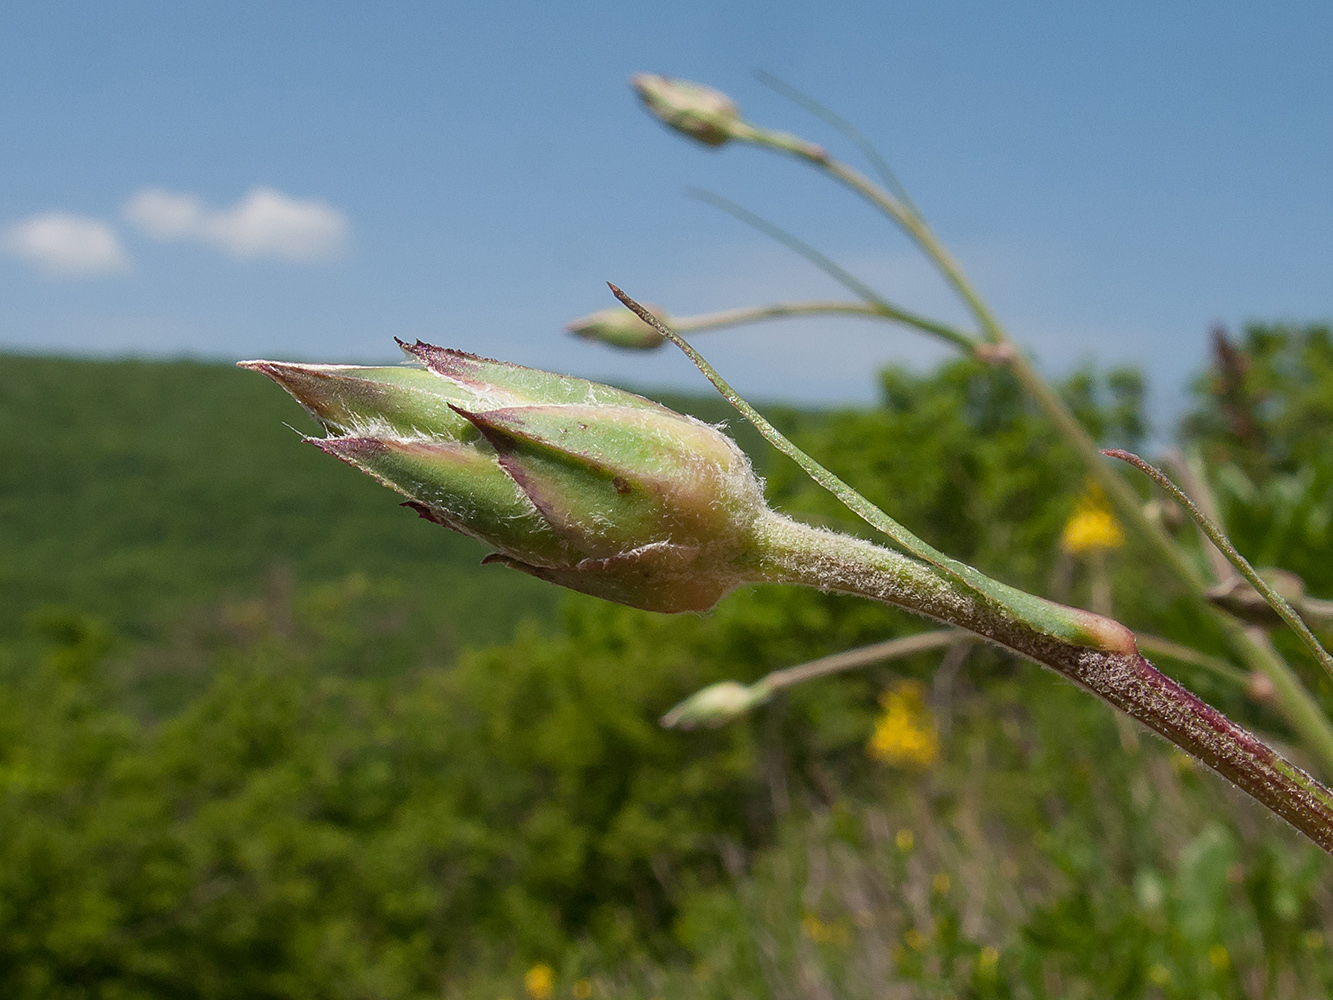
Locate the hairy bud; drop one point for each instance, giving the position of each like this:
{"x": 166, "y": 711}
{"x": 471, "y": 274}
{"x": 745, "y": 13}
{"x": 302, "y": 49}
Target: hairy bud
{"x": 1236, "y": 596}
{"x": 620, "y": 328}
{"x": 574, "y": 482}
{"x": 692, "y": 109}
{"x": 716, "y": 705}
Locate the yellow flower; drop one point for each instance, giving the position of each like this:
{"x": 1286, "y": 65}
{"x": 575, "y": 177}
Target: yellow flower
{"x": 582, "y": 990}
{"x": 905, "y": 734}
{"x": 904, "y": 840}
{"x": 1092, "y": 527}
{"x": 539, "y": 981}
{"x": 823, "y": 933}
{"x": 1218, "y": 956}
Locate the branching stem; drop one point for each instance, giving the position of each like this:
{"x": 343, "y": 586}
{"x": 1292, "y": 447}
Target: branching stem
{"x": 877, "y": 309}
{"x": 793, "y": 553}
{"x": 863, "y": 656}
{"x": 1095, "y": 652}
{"x": 1215, "y": 535}
{"x": 1295, "y": 702}
{"x": 964, "y": 341}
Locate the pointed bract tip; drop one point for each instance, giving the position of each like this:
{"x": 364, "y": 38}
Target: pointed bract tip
{"x": 299, "y": 380}
{"x": 350, "y": 449}
{"x": 271, "y": 369}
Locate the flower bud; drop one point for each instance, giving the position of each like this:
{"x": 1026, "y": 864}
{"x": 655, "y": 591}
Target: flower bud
{"x": 716, "y": 705}
{"x": 620, "y": 328}
{"x": 700, "y": 112}
{"x": 1236, "y": 596}
{"x": 1260, "y": 688}
{"x": 574, "y": 482}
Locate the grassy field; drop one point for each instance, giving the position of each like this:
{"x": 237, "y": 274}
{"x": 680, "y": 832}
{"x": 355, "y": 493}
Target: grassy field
{"x": 134, "y": 490}
{"x": 264, "y": 734}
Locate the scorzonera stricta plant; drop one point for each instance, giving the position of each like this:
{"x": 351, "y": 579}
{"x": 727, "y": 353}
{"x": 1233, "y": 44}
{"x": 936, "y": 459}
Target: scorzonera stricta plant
{"x": 607, "y": 493}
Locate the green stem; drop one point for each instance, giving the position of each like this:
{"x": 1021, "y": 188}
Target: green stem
{"x": 1120, "y": 493}
{"x": 1192, "y": 473}
{"x": 788, "y": 552}
{"x": 876, "y": 309}
{"x": 853, "y": 659}
{"x": 836, "y": 271}
{"x": 1294, "y": 701}
{"x": 1068, "y": 623}
{"x": 1096, "y": 652}
{"x": 1215, "y": 535}
{"x": 909, "y": 221}
{"x": 858, "y": 139}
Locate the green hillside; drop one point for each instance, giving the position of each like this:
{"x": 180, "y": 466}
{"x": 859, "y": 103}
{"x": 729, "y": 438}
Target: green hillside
{"x": 134, "y": 490}
{"x": 245, "y": 750}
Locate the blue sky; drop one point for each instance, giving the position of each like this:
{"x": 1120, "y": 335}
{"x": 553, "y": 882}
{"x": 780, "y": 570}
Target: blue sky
{"x": 308, "y": 181}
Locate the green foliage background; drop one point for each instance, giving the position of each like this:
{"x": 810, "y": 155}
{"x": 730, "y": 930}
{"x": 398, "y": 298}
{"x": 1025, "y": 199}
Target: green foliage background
{"x": 262, "y": 735}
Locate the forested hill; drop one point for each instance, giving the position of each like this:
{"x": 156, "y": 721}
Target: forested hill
{"x": 133, "y": 490}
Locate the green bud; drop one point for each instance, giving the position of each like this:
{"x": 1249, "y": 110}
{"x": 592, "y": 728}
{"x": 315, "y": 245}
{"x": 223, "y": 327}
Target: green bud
{"x": 578, "y": 483}
{"x": 716, "y": 705}
{"x": 692, "y": 109}
{"x": 620, "y": 328}
{"x": 1238, "y": 597}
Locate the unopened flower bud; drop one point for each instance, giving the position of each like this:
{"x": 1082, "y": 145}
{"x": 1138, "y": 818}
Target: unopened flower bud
{"x": 700, "y": 112}
{"x": 1260, "y": 688}
{"x": 716, "y": 705}
{"x": 1238, "y": 597}
{"x": 620, "y": 328}
{"x": 574, "y": 482}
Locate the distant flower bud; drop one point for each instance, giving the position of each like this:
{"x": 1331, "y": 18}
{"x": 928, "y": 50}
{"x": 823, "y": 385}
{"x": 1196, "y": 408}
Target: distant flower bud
{"x": 1238, "y": 597}
{"x": 1260, "y": 688}
{"x": 716, "y": 705}
{"x": 700, "y": 112}
{"x": 620, "y": 328}
{"x": 574, "y": 482}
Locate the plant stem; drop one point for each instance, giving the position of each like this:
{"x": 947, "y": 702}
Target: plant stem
{"x": 1215, "y": 535}
{"x": 1095, "y": 652}
{"x": 852, "y": 659}
{"x": 1294, "y": 701}
{"x": 877, "y": 309}
{"x": 922, "y": 642}
{"x": 964, "y": 341}
{"x": 1190, "y": 470}
{"x": 794, "y": 553}
{"x": 831, "y": 117}
{"x": 1184, "y": 654}
{"x": 1121, "y": 494}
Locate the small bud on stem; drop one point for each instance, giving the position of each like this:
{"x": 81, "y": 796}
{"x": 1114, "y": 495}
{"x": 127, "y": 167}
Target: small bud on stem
{"x": 620, "y": 328}
{"x": 702, "y": 113}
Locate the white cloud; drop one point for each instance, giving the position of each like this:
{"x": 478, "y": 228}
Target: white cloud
{"x": 65, "y": 245}
{"x": 163, "y": 215}
{"x": 264, "y": 223}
